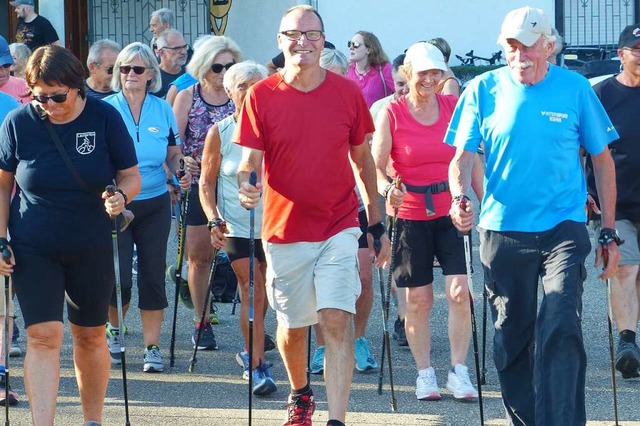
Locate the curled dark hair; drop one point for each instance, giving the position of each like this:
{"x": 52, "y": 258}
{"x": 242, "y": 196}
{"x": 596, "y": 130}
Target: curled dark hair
{"x": 55, "y": 65}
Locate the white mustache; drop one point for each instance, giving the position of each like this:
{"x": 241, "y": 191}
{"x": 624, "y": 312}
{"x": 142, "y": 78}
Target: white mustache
{"x": 522, "y": 65}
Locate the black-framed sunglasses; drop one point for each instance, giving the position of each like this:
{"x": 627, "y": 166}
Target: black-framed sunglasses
{"x": 126, "y": 69}
{"x": 217, "y": 68}
{"x": 109, "y": 70}
{"x": 311, "y": 35}
{"x": 58, "y": 98}
{"x": 7, "y": 66}
{"x": 353, "y": 44}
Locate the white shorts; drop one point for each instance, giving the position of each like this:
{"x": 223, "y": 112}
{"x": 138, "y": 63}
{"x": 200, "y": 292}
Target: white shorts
{"x": 305, "y": 277}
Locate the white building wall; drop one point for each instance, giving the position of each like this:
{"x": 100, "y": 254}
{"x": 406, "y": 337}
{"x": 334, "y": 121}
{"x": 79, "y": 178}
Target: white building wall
{"x": 465, "y": 24}
{"x": 53, "y": 10}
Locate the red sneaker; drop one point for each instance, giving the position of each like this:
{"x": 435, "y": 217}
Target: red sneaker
{"x": 300, "y": 410}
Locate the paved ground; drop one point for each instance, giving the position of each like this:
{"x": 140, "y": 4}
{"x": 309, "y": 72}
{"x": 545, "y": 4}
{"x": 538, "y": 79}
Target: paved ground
{"x": 216, "y": 395}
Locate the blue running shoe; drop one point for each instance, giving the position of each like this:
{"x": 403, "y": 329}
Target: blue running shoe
{"x": 364, "y": 357}
{"x": 263, "y": 384}
{"x": 242, "y": 358}
{"x": 317, "y": 362}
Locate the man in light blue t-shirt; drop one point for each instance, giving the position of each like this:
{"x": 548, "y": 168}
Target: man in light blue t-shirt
{"x": 533, "y": 119}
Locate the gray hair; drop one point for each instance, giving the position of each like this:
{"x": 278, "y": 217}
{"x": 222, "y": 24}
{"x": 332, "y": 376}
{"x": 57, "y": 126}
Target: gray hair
{"x": 207, "y": 51}
{"x": 20, "y": 50}
{"x": 330, "y": 58}
{"x": 165, "y": 16}
{"x": 559, "y": 42}
{"x": 243, "y": 72}
{"x": 147, "y": 57}
{"x": 96, "y": 49}
{"x": 162, "y": 42}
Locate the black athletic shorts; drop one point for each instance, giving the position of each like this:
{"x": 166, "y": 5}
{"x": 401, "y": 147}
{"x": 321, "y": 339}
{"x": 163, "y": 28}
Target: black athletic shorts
{"x": 195, "y": 214}
{"x": 362, "y": 241}
{"x": 149, "y": 231}
{"x": 41, "y": 280}
{"x": 418, "y": 242}
{"x": 238, "y": 248}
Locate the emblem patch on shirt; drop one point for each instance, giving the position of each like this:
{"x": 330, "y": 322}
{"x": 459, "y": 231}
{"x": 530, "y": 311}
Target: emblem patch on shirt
{"x": 153, "y": 130}
{"x": 85, "y": 142}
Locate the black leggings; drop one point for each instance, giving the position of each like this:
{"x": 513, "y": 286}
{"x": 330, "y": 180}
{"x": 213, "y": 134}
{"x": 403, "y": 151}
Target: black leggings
{"x": 149, "y": 231}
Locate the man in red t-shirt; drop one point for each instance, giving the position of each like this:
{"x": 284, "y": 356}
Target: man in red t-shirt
{"x": 306, "y": 123}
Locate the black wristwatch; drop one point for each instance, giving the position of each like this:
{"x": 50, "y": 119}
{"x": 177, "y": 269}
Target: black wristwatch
{"x": 216, "y": 222}
{"x": 121, "y": 192}
{"x": 377, "y": 230}
{"x": 609, "y": 235}
{"x": 386, "y": 189}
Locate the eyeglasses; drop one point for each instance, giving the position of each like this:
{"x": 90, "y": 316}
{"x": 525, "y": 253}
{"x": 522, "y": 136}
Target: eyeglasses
{"x": 185, "y": 47}
{"x": 217, "y": 68}
{"x": 59, "y": 98}
{"x": 634, "y": 51}
{"x": 126, "y": 69}
{"x": 312, "y": 35}
{"x": 353, "y": 44}
{"x": 109, "y": 70}
{"x": 6, "y": 66}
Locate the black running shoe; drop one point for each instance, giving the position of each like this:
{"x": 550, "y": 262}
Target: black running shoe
{"x": 628, "y": 359}
{"x": 399, "y": 333}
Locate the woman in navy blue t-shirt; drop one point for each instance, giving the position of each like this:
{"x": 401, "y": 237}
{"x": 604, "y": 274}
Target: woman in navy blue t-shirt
{"x": 60, "y": 227}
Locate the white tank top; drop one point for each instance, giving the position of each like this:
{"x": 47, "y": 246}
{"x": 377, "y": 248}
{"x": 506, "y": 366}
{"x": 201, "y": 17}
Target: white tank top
{"x": 236, "y": 216}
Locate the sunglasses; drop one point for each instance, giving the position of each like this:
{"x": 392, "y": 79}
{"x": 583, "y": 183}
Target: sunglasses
{"x": 126, "y": 69}
{"x": 109, "y": 70}
{"x": 7, "y": 66}
{"x": 59, "y": 98}
{"x": 217, "y": 68}
{"x": 353, "y": 44}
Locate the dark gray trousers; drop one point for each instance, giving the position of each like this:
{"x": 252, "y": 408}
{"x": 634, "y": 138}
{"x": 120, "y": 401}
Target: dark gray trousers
{"x": 539, "y": 356}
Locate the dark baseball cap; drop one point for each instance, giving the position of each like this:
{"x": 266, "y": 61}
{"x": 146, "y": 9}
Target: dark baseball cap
{"x": 630, "y": 36}
{"x": 5, "y": 53}
{"x": 22, "y": 2}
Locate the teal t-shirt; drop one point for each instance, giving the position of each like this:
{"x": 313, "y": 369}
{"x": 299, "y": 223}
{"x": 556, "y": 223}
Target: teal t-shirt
{"x": 532, "y": 136}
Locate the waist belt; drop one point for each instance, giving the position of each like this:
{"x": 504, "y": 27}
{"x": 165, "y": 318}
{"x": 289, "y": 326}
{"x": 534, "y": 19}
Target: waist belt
{"x": 428, "y": 190}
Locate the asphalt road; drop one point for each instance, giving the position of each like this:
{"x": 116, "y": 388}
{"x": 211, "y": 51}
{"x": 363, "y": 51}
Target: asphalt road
{"x": 215, "y": 393}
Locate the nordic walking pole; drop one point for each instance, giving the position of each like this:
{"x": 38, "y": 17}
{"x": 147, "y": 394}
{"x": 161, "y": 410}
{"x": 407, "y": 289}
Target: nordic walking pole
{"x": 605, "y": 258}
{"x": 483, "y": 376}
{"x": 111, "y": 190}
{"x": 182, "y": 233}
{"x": 253, "y": 180}
{"x": 223, "y": 228}
{"x": 236, "y": 299}
{"x": 467, "y": 257}
{"x": 385, "y": 296}
{"x": 6, "y": 255}
{"x": 309, "y": 355}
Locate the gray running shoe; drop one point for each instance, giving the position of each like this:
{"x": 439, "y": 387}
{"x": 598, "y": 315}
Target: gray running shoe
{"x": 153, "y": 360}
{"x": 113, "y": 341}
{"x": 628, "y": 359}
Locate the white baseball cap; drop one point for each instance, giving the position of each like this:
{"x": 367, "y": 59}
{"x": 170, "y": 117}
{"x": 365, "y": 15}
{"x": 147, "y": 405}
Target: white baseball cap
{"x": 425, "y": 56}
{"x": 526, "y": 25}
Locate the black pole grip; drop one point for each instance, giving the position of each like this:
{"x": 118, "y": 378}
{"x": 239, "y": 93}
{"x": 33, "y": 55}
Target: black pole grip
{"x": 253, "y": 178}
{"x": 377, "y": 245}
{"x": 110, "y": 190}
{"x": 181, "y": 171}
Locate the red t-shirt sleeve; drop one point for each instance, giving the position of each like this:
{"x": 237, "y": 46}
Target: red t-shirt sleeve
{"x": 249, "y": 131}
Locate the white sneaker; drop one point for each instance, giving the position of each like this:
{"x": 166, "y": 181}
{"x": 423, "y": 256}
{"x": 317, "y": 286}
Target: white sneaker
{"x": 459, "y": 384}
{"x": 427, "y": 385}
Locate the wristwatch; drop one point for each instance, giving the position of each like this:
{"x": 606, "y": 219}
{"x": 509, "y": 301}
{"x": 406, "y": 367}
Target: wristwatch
{"x": 216, "y": 222}
{"x": 608, "y": 235}
{"x": 121, "y": 192}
